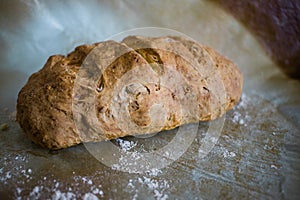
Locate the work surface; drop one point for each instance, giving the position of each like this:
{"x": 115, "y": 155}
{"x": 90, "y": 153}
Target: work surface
{"x": 256, "y": 155}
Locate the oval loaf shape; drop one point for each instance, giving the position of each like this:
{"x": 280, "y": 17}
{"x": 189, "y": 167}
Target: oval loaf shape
{"x": 156, "y": 84}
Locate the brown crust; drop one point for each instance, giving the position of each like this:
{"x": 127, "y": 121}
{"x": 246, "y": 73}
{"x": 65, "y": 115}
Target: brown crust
{"x": 189, "y": 82}
{"x": 44, "y": 103}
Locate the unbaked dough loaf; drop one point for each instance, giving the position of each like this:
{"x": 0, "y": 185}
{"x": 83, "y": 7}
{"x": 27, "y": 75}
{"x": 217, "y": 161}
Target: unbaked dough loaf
{"x": 156, "y": 84}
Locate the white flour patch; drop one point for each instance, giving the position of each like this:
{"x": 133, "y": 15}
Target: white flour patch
{"x": 90, "y": 196}
{"x": 36, "y": 192}
{"x": 126, "y": 163}
{"x": 228, "y": 154}
{"x": 58, "y": 195}
{"x": 154, "y": 172}
{"x": 238, "y": 118}
{"x": 158, "y": 187}
{"x": 126, "y": 145}
{"x": 128, "y": 160}
{"x": 244, "y": 102}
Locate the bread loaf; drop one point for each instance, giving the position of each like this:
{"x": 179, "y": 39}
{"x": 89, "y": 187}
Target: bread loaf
{"x": 144, "y": 85}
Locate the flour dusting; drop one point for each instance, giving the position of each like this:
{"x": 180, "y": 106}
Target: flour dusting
{"x": 21, "y": 175}
{"x": 126, "y": 145}
{"x": 150, "y": 180}
{"x": 158, "y": 187}
{"x": 242, "y": 107}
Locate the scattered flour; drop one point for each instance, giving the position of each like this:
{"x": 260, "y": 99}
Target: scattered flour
{"x": 244, "y": 102}
{"x": 36, "y": 192}
{"x": 128, "y": 160}
{"x": 90, "y": 196}
{"x": 241, "y": 107}
{"x": 154, "y": 172}
{"x": 228, "y": 154}
{"x": 159, "y": 195}
{"x": 126, "y": 145}
{"x": 21, "y": 175}
{"x": 151, "y": 181}
{"x": 58, "y": 195}
{"x": 158, "y": 187}
{"x": 61, "y": 193}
